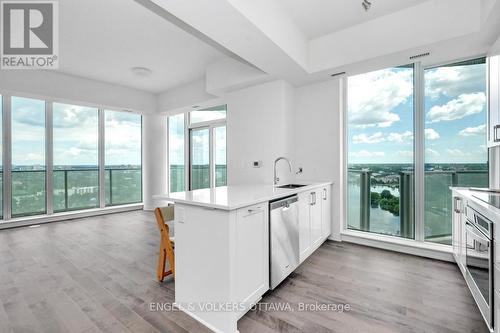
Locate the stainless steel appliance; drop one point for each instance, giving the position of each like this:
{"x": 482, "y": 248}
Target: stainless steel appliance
{"x": 284, "y": 238}
{"x": 479, "y": 261}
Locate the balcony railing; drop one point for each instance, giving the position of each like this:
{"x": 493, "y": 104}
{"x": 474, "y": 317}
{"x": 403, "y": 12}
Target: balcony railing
{"x": 398, "y": 200}
{"x": 74, "y": 189}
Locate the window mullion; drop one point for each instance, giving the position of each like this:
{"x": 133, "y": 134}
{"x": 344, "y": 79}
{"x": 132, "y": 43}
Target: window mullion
{"x": 101, "y": 160}
{"x": 49, "y": 157}
{"x": 419, "y": 147}
{"x": 7, "y": 156}
{"x": 187, "y": 153}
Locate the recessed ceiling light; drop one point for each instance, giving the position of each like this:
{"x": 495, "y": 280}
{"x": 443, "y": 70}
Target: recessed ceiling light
{"x": 366, "y": 4}
{"x": 141, "y": 71}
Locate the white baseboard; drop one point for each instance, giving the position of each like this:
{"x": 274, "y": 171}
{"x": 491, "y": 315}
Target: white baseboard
{"x": 335, "y": 237}
{"x": 198, "y": 319}
{"x": 421, "y": 249}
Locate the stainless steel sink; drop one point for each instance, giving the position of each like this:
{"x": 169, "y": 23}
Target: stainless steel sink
{"x": 291, "y": 186}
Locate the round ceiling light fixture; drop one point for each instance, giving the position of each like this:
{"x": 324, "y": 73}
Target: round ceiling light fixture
{"x": 141, "y": 71}
{"x": 366, "y": 4}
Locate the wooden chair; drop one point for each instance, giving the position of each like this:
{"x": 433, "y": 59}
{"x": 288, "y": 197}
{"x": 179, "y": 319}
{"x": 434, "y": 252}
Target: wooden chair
{"x": 167, "y": 243}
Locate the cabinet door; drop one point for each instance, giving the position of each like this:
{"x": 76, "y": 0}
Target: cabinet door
{"x": 315, "y": 217}
{"x": 326, "y": 212}
{"x": 494, "y": 101}
{"x": 305, "y": 200}
{"x": 252, "y": 251}
{"x": 456, "y": 230}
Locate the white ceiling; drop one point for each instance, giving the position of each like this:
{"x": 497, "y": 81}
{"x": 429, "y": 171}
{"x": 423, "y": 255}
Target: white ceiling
{"x": 104, "y": 39}
{"x": 316, "y": 18}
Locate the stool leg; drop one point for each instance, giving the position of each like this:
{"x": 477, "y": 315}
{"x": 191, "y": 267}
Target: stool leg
{"x": 161, "y": 264}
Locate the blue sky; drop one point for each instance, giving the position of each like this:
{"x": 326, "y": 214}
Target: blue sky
{"x": 380, "y": 115}
{"x": 75, "y": 135}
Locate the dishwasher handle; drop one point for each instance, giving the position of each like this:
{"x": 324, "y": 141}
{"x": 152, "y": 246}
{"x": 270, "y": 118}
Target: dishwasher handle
{"x": 283, "y": 203}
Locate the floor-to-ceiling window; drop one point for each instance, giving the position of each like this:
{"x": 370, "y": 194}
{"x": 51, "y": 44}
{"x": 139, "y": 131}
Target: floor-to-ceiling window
{"x": 123, "y": 177}
{"x": 176, "y": 154}
{"x": 28, "y": 156}
{"x": 76, "y": 172}
{"x": 63, "y": 157}
{"x": 455, "y": 139}
{"x": 391, "y": 159}
{"x": 206, "y": 140}
{"x": 380, "y": 152}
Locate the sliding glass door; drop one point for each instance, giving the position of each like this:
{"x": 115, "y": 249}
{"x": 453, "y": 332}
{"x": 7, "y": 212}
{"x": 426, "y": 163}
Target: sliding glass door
{"x": 380, "y": 152}
{"x": 200, "y": 158}
{"x": 455, "y": 139}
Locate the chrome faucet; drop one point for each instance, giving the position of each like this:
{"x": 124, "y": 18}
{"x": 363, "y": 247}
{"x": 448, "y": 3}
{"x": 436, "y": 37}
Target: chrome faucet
{"x": 276, "y": 179}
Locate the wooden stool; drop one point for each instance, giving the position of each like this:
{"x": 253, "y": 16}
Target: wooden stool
{"x": 167, "y": 243}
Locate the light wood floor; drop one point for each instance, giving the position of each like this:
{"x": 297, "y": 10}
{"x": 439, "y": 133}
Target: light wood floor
{"x": 98, "y": 275}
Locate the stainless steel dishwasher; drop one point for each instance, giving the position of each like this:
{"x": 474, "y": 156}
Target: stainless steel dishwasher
{"x": 284, "y": 238}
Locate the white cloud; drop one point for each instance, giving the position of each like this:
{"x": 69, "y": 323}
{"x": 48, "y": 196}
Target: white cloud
{"x": 452, "y": 81}
{"x": 400, "y": 137}
{"x": 455, "y": 152}
{"x": 463, "y": 106}
{"x": 432, "y": 153}
{"x": 365, "y": 153}
{"x": 405, "y": 153}
{"x": 431, "y": 134}
{"x": 363, "y": 138}
{"x": 483, "y": 148}
{"x": 372, "y": 97}
{"x": 473, "y": 131}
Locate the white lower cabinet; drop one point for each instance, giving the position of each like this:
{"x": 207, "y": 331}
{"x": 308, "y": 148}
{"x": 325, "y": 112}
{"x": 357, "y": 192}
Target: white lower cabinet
{"x": 326, "y": 211}
{"x": 304, "y": 225}
{"x": 314, "y": 219}
{"x": 252, "y": 252}
{"x": 458, "y": 231}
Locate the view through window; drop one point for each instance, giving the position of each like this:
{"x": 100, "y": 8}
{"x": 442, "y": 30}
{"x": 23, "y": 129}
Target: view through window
{"x": 73, "y": 132}
{"x": 207, "y": 149}
{"x": 28, "y": 156}
{"x": 76, "y": 173}
{"x": 176, "y": 153}
{"x": 123, "y": 177}
{"x": 381, "y": 148}
{"x": 455, "y": 139}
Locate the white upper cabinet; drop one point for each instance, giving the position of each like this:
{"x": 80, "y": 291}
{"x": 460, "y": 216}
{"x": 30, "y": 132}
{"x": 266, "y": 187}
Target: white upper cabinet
{"x": 494, "y": 101}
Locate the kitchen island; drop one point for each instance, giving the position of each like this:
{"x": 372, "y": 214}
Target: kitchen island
{"x": 222, "y": 246}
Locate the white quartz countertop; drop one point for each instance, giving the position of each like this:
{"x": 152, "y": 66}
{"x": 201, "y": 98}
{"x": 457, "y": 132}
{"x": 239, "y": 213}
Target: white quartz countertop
{"x": 236, "y": 196}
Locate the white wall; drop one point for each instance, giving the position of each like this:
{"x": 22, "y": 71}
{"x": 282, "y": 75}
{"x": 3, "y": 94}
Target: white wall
{"x": 73, "y": 89}
{"x": 317, "y": 139}
{"x": 259, "y": 120}
{"x": 154, "y": 166}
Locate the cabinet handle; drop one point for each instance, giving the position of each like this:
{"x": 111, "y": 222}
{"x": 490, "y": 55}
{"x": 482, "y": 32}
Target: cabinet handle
{"x": 324, "y": 194}
{"x": 457, "y": 200}
{"x": 255, "y": 210}
{"x": 495, "y": 133}
{"x": 314, "y": 198}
